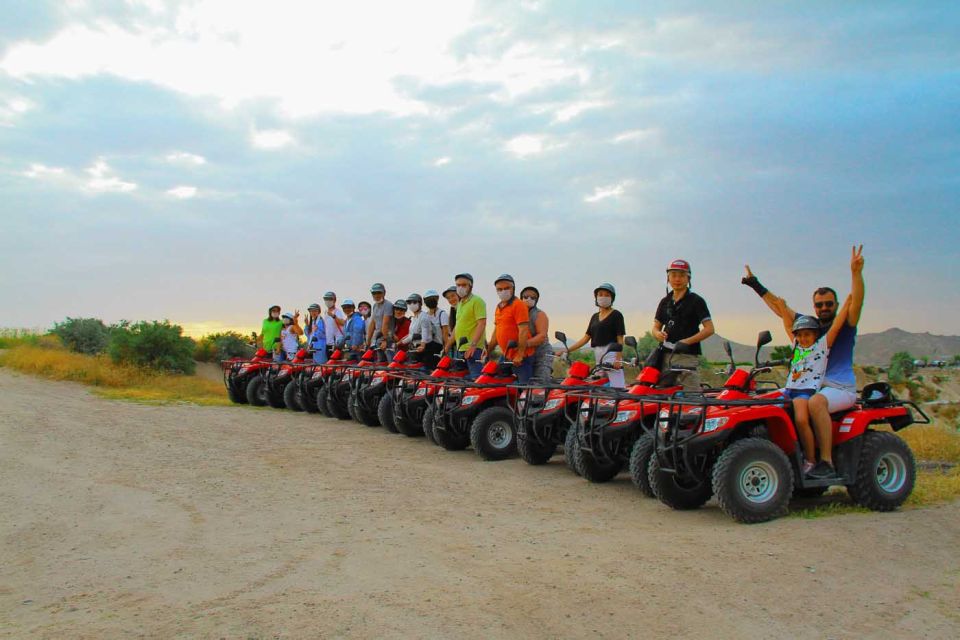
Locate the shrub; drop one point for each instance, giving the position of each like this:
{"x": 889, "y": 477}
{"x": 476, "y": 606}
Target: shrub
{"x": 901, "y": 367}
{"x": 782, "y": 352}
{"x": 158, "y": 345}
{"x": 83, "y": 335}
{"x": 10, "y": 338}
{"x": 221, "y": 346}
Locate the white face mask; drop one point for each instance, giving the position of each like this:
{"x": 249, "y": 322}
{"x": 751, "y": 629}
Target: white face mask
{"x": 505, "y": 295}
{"x": 604, "y": 301}
{"x": 463, "y": 292}
{"x": 275, "y": 315}
{"x": 530, "y": 303}
{"x": 413, "y": 306}
{"x": 330, "y": 303}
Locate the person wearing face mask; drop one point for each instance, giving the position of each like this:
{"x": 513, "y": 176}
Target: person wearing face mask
{"x": 679, "y": 318}
{"x": 606, "y": 328}
{"x": 333, "y": 320}
{"x": 316, "y": 333}
{"x": 354, "y": 329}
{"x": 270, "y": 331}
{"x": 471, "y": 323}
{"x": 290, "y": 335}
{"x": 512, "y": 323}
{"x": 380, "y": 323}
{"x": 450, "y": 294}
{"x": 417, "y": 321}
{"x": 439, "y": 330}
{"x": 539, "y": 339}
{"x": 363, "y": 308}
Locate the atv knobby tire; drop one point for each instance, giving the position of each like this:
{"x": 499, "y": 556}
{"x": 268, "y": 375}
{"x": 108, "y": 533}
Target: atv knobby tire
{"x": 291, "y": 397}
{"x": 533, "y": 451}
{"x": 571, "y": 444}
{"x": 451, "y": 440}
{"x": 275, "y": 398}
{"x": 640, "y": 463}
{"x": 753, "y": 480}
{"x": 594, "y": 470}
{"x": 336, "y": 408}
{"x": 886, "y": 472}
{"x": 362, "y": 415}
{"x": 309, "y": 400}
{"x": 257, "y": 391}
{"x": 237, "y": 391}
{"x": 674, "y": 494}
{"x": 493, "y": 435}
{"x": 322, "y": 398}
{"x": 385, "y": 411}
{"x": 406, "y": 426}
{"x": 427, "y": 424}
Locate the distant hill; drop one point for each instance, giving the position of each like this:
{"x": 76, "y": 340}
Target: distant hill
{"x": 878, "y": 348}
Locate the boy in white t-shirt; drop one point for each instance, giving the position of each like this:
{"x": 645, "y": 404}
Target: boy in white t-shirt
{"x": 811, "y": 349}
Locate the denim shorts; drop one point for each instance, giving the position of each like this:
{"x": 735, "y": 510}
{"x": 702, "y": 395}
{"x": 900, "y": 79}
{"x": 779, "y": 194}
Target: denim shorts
{"x": 793, "y": 394}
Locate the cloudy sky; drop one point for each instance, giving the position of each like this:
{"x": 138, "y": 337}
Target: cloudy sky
{"x": 200, "y": 160}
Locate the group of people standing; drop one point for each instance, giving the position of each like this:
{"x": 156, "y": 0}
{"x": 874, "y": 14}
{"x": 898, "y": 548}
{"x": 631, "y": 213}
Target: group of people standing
{"x": 821, "y": 379}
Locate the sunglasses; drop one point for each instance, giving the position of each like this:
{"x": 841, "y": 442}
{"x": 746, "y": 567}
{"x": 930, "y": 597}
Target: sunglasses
{"x": 824, "y": 305}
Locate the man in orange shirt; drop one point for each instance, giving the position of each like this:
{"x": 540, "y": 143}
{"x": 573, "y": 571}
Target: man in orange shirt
{"x": 512, "y": 322}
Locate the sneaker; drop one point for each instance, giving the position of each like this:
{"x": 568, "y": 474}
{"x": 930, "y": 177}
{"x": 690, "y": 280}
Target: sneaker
{"x": 821, "y": 471}
{"x": 807, "y": 466}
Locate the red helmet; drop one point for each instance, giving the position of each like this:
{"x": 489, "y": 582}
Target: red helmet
{"x": 679, "y": 265}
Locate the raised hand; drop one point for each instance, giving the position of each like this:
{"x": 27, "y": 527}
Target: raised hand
{"x": 856, "y": 259}
{"x": 749, "y": 279}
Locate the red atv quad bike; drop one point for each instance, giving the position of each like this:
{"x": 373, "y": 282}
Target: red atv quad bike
{"x": 303, "y": 389}
{"x": 237, "y": 373}
{"x": 339, "y": 382}
{"x": 329, "y": 374}
{"x": 406, "y": 365}
{"x": 413, "y": 397}
{"x": 478, "y": 412}
{"x": 279, "y": 375}
{"x": 544, "y": 412}
{"x": 370, "y": 385}
{"x": 745, "y": 450}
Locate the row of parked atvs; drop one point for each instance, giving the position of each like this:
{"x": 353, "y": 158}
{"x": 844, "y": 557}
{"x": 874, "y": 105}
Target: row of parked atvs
{"x": 737, "y": 442}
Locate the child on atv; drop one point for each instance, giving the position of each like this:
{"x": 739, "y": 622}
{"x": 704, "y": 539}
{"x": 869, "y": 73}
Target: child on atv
{"x": 809, "y": 363}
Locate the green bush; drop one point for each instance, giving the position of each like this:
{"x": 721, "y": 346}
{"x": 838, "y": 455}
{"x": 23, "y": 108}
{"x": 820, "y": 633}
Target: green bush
{"x": 783, "y": 352}
{"x": 221, "y": 346}
{"x": 83, "y": 335}
{"x": 10, "y": 338}
{"x": 158, "y": 345}
{"x": 901, "y": 367}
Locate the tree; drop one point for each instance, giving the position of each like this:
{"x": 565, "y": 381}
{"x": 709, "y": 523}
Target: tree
{"x": 901, "y": 367}
{"x": 221, "y": 346}
{"x": 159, "y": 345}
{"x": 783, "y": 352}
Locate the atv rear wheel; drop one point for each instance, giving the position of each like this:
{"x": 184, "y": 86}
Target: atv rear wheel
{"x": 257, "y": 391}
{"x": 886, "y": 472}
{"x": 674, "y": 493}
{"x": 492, "y": 434}
{"x": 640, "y": 463}
{"x": 291, "y": 397}
{"x": 753, "y": 480}
{"x": 533, "y": 451}
{"x": 385, "y": 411}
{"x": 427, "y": 424}
{"x": 571, "y": 444}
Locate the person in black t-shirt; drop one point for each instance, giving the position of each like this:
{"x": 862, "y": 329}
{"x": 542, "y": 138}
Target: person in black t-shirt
{"x": 679, "y": 318}
{"x": 606, "y": 328}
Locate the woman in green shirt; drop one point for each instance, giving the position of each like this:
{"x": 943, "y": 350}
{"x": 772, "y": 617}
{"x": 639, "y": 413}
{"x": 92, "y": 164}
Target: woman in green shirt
{"x": 270, "y": 331}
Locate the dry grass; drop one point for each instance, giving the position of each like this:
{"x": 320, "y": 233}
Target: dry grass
{"x": 933, "y": 442}
{"x": 113, "y": 380}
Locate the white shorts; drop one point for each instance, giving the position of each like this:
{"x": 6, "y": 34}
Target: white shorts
{"x": 838, "y": 399}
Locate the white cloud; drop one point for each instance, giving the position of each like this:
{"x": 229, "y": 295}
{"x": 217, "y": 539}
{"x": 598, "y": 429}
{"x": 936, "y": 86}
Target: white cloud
{"x": 439, "y": 162}
{"x": 271, "y": 139}
{"x": 102, "y": 179}
{"x": 182, "y": 192}
{"x": 183, "y": 157}
{"x": 308, "y": 57}
{"x": 526, "y": 145}
{"x": 571, "y": 111}
{"x": 12, "y": 108}
{"x": 633, "y": 135}
{"x": 43, "y": 171}
{"x": 608, "y": 191}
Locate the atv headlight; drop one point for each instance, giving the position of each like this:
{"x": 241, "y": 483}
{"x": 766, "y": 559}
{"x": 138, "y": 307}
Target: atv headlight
{"x": 422, "y": 391}
{"x": 625, "y": 416}
{"x": 467, "y": 400}
{"x": 552, "y": 404}
{"x": 712, "y": 424}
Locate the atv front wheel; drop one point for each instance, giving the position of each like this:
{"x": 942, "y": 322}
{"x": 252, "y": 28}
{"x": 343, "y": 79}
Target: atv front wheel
{"x": 275, "y": 398}
{"x": 309, "y": 401}
{"x": 257, "y": 391}
{"x": 322, "y": 400}
{"x": 571, "y": 445}
{"x": 451, "y": 440}
{"x": 533, "y": 451}
{"x": 427, "y": 424}
{"x": 753, "y": 480}
{"x": 640, "y": 463}
{"x": 886, "y": 472}
{"x": 406, "y": 426}
{"x": 385, "y": 411}
{"x": 492, "y": 434}
{"x": 337, "y": 408}
{"x": 676, "y": 493}
{"x": 236, "y": 391}
{"x": 291, "y": 397}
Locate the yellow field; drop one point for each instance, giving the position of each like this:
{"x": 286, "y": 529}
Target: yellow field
{"x": 113, "y": 380}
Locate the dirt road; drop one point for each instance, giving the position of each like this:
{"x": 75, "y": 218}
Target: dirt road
{"x": 123, "y": 520}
